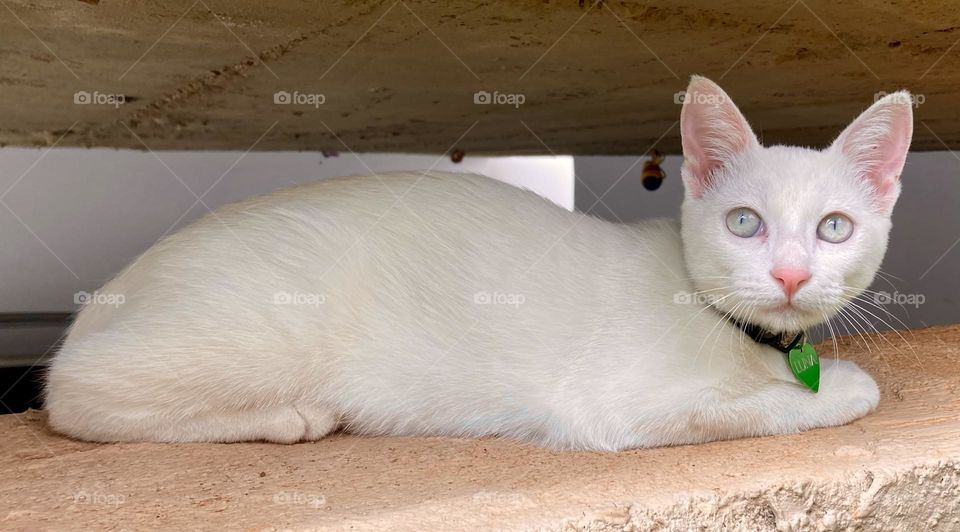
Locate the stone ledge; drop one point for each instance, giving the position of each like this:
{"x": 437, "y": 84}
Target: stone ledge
{"x": 898, "y": 468}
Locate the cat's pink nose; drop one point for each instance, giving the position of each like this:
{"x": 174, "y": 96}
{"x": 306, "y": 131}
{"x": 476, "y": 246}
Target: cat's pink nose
{"x": 790, "y": 279}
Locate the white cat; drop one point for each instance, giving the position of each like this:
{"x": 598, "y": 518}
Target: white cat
{"x": 454, "y": 305}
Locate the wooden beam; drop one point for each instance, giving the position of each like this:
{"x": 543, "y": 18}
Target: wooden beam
{"x": 597, "y": 78}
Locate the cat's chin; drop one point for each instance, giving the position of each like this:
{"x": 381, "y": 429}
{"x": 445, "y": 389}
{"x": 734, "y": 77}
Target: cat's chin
{"x": 780, "y": 318}
{"x": 787, "y": 318}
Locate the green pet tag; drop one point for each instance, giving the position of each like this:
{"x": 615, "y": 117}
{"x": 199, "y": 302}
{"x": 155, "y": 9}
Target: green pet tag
{"x": 805, "y": 364}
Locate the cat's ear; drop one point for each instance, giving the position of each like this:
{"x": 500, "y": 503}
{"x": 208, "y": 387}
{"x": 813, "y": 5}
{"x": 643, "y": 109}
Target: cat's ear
{"x": 877, "y": 143}
{"x": 712, "y": 130}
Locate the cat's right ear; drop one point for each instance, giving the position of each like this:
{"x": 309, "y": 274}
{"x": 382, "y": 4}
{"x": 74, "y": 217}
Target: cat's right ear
{"x": 712, "y": 130}
{"x": 877, "y": 143}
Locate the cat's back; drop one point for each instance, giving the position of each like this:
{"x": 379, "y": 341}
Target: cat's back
{"x": 340, "y": 232}
{"x": 389, "y": 209}
{"x": 379, "y": 195}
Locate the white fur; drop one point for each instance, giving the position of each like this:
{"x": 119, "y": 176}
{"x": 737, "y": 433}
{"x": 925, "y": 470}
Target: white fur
{"x": 444, "y": 304}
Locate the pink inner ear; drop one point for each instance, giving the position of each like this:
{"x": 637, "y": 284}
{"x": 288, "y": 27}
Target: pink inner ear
{"x": 695, "y": 161}
{"x": 712, "y": 130}
{"x": 878, "y": 141}
{"x": 886, "y": 175}
{"x": 894, "y": 147}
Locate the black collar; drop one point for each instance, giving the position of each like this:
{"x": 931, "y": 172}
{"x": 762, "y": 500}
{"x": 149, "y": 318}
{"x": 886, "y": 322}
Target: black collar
{"x": 782, "y": 342}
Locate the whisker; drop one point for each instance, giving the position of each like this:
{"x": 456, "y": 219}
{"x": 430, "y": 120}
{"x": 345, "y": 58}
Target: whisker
{"x": 856, "y": 319}
{"x": 856, "y": 293}
{"x": 863, "y": 320}
{"x": 844, "y": 320}
{"x": 902, "y": 338}
{"x": 833, "y": 336}
{"x": 885, "y": 311}
{"x": 724, "y": 316}
{"x": 698, "y": 292}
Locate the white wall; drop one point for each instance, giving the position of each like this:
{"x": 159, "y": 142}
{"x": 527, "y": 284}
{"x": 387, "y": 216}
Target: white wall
{"x": 71, "y": 218}
{"x": 923, "y": 258}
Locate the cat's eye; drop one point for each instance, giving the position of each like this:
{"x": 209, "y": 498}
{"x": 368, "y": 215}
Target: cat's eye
{"x": 835, "y": 228}
{"x": 743, "y": 222}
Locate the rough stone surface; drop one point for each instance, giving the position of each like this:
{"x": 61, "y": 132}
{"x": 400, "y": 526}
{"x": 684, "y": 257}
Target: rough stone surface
{"x": 400, "y": 76}
{"x": 897, "y": 469}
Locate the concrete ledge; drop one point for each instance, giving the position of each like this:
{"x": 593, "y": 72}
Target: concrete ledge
{"x": 899, "y": 468}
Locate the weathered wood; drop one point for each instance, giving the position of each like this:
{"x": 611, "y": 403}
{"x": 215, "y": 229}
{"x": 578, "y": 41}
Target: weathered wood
{"x": 401, "y": 76}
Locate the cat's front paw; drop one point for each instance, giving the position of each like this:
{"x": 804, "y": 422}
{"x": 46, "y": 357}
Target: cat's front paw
{"x": 846, "y": 392}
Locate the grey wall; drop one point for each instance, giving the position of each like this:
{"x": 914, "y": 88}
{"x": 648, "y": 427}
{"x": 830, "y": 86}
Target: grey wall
{"x": 923, "y": 259}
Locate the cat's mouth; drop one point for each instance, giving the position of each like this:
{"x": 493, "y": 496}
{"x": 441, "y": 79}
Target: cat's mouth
{"x": 789, "y": 316}
{"x": 779, "y": 314}
{"x": 784, "y": 316}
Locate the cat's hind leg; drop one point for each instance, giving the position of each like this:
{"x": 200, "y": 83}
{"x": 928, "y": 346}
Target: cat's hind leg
{"x": 279, "y": 424}
{"x": 276, "y": 424}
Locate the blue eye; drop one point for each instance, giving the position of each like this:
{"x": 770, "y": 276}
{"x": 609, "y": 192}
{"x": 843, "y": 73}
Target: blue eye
{"x": 743, "y": 222}
{"x": 835, "y": 228}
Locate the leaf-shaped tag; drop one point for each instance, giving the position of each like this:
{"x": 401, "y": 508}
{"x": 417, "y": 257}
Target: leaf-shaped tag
{"x": 805, "y": 364}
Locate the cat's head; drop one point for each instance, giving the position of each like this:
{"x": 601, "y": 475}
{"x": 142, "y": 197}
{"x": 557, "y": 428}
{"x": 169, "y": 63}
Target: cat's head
{"x": 783, "y": 237}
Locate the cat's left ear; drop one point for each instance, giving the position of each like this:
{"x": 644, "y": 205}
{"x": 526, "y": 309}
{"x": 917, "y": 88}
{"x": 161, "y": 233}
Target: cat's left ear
{"x": 877, "y": 143}
{"x": 713, "y": 132}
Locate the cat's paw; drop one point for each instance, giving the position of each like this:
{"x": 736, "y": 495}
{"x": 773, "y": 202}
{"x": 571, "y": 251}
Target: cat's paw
{"x": 320, "y": 420}
{"x": 286, "y": 425}
{"x": 846, "y": 392}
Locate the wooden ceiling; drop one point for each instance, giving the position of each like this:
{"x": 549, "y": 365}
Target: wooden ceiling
{"x": 405, "y": 76}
